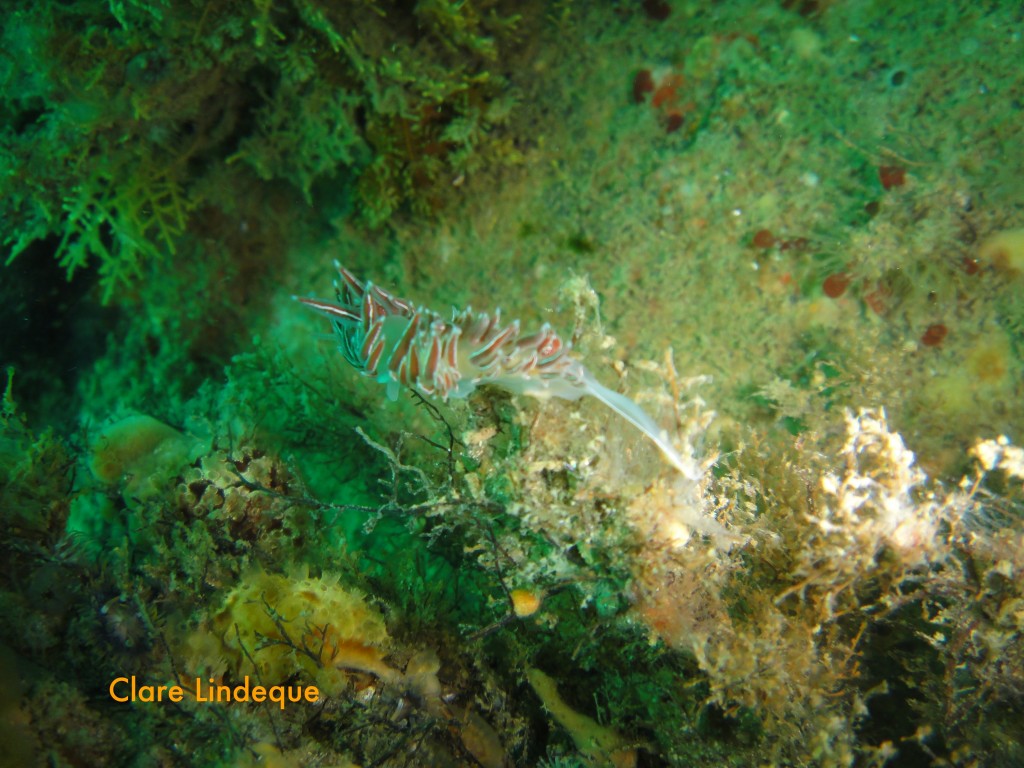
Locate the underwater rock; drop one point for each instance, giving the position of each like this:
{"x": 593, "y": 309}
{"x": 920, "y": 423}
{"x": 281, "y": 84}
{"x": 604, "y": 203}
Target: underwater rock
{"x": 138, "y": 451}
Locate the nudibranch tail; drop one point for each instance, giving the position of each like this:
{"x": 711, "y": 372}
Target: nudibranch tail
{"x": 638, "y": 417}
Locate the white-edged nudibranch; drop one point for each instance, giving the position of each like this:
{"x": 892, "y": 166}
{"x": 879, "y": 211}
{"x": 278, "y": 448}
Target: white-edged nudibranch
{"x": 400, "y": 344}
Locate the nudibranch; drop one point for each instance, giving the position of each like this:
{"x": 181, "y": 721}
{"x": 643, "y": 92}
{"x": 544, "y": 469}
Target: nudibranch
{"x": 400, "y": 344}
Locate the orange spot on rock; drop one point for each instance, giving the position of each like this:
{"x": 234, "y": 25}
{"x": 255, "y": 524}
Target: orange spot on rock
{"x": 934, "y": 335}
{"x": 666, "y": 93}
{"x": 673, "y": 121}
{"x": 892, "y": 176}
{"x": 763, "y": 238}
{"x": 643, "y": 84}
{"x": 836, "y": 285}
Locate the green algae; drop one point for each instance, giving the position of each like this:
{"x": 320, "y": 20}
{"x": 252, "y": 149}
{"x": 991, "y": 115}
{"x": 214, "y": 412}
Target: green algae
{"x": 192, "y": 168}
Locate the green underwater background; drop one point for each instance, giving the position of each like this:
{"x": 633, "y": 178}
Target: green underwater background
{"x": 792, "y": 231}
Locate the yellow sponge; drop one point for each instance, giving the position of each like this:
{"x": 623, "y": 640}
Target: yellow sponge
{"x": 1004, "y": 251}
{"x": 290, "y": 624}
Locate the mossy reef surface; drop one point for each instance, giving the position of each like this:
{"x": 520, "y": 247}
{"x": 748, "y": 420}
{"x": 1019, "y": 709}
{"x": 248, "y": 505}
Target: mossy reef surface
{"x": 791, "y": 231}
